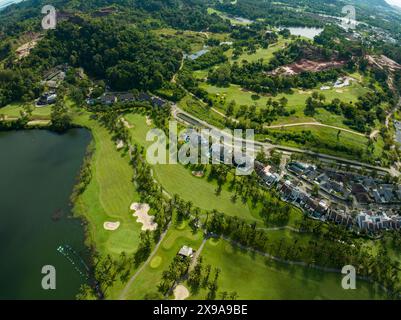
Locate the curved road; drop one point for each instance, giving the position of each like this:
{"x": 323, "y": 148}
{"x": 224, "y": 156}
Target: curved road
{"x": 183, "y": 116}
{"x": 278, "y": 126}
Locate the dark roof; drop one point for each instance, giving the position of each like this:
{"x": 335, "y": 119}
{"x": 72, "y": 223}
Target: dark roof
{"x": 158, "y": 102}
{"x": 126, "y": 97}
{"x": 108, "y": 98}
{"x": 143, "y": 96}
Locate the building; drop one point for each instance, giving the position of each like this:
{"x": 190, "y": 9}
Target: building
{"x": 266, "y": 174}
{"x": 157, "y": 102}
{"x": 108, "y": 99}
{"x": 186, "y": 252}
{"x": 126, "y": 97}
{"x": 47, "y": 98}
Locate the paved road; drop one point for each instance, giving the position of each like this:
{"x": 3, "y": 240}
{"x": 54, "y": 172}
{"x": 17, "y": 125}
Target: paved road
{"x": 216, "y": 132}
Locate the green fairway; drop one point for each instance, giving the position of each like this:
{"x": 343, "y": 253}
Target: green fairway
{"x": 253, "y": 276}
{"x": 108, "y": 195}
{"x": 146, "y": 282}
{"x": 261, "y": 53}
{"x": 176, "y": 179}
{"x": 14, "y": 111}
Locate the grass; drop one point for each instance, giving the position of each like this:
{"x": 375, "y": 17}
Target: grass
{"x": 147, "y": 281}
{"x": 13, "y": 111}
{"x": 329, "y": 136}
{"x": 261, "y": 53}
{"x": 296, "y": 101}
{"x": 108, "y": 195}
{"x": 253, "y": 276}
{"x": 176, "y": 179}
{"x": 226, "y": 17}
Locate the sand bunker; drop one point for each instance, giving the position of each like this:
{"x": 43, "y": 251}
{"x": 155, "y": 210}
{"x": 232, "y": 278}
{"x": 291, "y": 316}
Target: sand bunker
{"x": 148, "y": 121}
{"x": 198, "y": 174}
{"x": 120, "y": 144}
{"x": 180, "y": 292}
{"x": 126, "y": 123}
{"x": 141, "y": 212}
{"x": 111, "y": 226}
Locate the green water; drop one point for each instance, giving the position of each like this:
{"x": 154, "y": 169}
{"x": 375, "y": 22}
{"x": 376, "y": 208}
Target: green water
{"x": 37, "y": 173}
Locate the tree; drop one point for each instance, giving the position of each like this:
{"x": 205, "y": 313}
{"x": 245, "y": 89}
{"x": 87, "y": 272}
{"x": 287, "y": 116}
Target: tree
{"x": 60, "y": 119}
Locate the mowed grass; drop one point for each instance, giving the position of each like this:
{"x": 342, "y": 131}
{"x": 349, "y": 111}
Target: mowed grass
{"x": 261, "y": 53}
{"x": 253, "y": 276}
{"x": 296, "y": 101}
{"x": 108, "y": 195}
{"x": 147, "y": 281}
{"x": 226, "y": 17}
{"x": 14, "y": 111}
{"x": 328, "y": 136}
{"x": 176, "y": 179}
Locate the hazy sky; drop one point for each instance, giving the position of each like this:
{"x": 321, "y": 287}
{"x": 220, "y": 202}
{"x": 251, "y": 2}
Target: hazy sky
{"x": 396, "y": 2}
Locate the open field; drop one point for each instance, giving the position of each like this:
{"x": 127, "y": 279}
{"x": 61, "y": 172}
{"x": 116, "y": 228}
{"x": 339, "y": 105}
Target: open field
{"x": 192, "y": 40}
{"x": 253, "y": 276}
{"x": 261, "y": 53}
{"x": 176, "y": 179}
{"x": 296, "y": 101}
{"x": 232, "y": 19}
{"x": 329, "y": 137}
{"x": 13, "y": 111}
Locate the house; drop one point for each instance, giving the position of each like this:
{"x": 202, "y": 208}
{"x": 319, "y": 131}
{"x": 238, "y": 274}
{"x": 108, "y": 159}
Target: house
{"x": 186, "y": 252}
{"x": 266, "y": 174}
{"x": 108, "y": 99}
{"x": 157, "y": 102}
{"x": 47, "y": 98}
{"x": 126, "y": 97}
{"x": 143, "y": 96}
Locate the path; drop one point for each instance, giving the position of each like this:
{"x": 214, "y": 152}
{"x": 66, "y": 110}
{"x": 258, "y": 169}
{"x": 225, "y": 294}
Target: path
{"x": 278, "y": 126}
{"x": 138, "y": 272}
{"x": 197, "y": 254}
{"x": 374, "y": 134}
{"x": 215, "y": 132}
{"x": 281, "y": 228}
{"x": 314, "y": 124}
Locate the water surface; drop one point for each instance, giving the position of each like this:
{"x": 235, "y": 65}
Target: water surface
{"x": 38, "y": 169}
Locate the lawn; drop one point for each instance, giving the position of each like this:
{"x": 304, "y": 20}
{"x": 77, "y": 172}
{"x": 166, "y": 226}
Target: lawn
{"x": 296, "y": 101}
{"x": 176, "y": 179}
{"x": 253, "y": 276}
{"x": 13, "y": 111}
{"x": 261, "y": 53}
{"x": 147, "y": 281}
{"x": 226, "y": 17}
{"x": 108, "y": 195}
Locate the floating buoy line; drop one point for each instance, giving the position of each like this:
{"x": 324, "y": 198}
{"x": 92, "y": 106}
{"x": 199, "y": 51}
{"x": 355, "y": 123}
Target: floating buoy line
{"x": 76, "y": 260}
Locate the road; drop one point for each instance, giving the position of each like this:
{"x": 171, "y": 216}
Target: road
{"x": 216, "y": 133}
{"x": 315, "y": 123}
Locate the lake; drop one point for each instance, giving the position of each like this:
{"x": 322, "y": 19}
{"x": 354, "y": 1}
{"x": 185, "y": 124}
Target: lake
{"x": 309, "y": 33}
{"x": 38, "y": 170}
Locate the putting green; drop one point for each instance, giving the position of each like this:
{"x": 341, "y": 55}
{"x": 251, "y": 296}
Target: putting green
{"x": 156, "y": 262}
